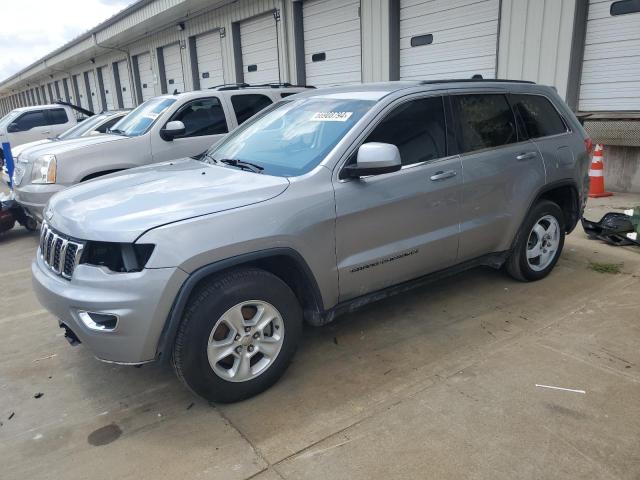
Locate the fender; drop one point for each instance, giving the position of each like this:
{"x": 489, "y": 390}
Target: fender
{"x": 167, "y": 336}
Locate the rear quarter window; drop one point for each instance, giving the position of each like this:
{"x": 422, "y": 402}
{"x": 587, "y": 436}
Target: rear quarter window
{"x": 57, "y": 116}
{"x": 538, "y": 115}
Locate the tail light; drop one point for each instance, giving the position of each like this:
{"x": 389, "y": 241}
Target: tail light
{"x": 588, "y": 145}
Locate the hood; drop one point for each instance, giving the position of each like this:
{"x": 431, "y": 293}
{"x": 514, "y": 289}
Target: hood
{"x": 62, "y": 146}
{"x": 122, "y": 206}
{"x": 15, "y": 151}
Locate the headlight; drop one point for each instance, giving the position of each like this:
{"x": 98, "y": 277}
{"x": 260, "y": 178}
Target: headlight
{"x": 44, "y": 169}
{"x": 117, "y": 257}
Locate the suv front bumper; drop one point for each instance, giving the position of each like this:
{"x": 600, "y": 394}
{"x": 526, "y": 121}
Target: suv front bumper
{"x": 34, "y": 197}
{"x": 140, "y": 300}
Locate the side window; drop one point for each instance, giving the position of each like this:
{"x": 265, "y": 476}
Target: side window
{"x": 287, "y": 94}
{"x": 246, "y": 106}
{"x": 108, "y": 124}
{"x": 31, "y": 120}
{"x": 417, "y": 128}
{"x": 486, "y": 121}
{"x": 56, "y": 116}
{"x": 202, "y": 117}
{"x": 539, "y": 116}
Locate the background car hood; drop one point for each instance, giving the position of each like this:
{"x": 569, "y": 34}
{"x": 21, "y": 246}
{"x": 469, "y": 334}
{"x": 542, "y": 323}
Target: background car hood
{"x": 15, "y": 151}
{"x": 58, "y": 148}
{"x": 121, "y": 206}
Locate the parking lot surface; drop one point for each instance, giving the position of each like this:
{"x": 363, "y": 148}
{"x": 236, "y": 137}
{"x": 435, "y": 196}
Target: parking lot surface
{"x": 439, "y": 383}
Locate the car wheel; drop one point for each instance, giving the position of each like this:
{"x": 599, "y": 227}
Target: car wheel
{"x": 238, "y": 334}
{"x": 539, "y": 244}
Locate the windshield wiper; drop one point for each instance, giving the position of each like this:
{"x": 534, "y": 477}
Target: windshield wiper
{"x": 252, "y": 167}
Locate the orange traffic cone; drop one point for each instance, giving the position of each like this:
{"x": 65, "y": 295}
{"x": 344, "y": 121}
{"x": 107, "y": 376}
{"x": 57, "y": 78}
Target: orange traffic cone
{"x": 596, "y": 175}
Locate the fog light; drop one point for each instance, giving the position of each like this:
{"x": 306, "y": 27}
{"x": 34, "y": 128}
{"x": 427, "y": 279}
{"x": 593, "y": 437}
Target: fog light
{"x": 102, "y": 322}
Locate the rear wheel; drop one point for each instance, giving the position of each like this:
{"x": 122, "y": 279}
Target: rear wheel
{"x": 237, "y": 336}
{"x": 540, "y": 243}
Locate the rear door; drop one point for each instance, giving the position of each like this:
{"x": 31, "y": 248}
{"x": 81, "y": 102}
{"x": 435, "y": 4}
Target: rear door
{"x": 205, "y": 122}
{"x": 502, "y": 171}
{"x": 58, "y": 121}
{"x": 399, "y": 226}
{"x": 247, "y": 105}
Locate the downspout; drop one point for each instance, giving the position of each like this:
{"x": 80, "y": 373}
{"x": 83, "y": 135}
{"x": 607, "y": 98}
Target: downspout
{"x": 129, "y": 64}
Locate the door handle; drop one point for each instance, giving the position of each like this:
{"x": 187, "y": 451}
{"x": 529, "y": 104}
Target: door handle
{"x": 46, "y": 132}
{"x": 442, "y": 175}
{"x": 526, "y": 156}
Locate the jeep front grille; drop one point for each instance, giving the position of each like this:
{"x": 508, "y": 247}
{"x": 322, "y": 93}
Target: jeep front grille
{"x": 60, "y": 253}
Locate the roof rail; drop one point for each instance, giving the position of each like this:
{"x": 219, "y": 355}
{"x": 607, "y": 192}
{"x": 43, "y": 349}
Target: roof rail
{"x": 238, "y": 86}
{"x": 475, "y": 80}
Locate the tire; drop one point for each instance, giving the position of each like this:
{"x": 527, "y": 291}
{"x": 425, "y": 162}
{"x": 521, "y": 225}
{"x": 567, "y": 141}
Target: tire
{"x": 229, "y": 303}
{"x": 522, "y": 268}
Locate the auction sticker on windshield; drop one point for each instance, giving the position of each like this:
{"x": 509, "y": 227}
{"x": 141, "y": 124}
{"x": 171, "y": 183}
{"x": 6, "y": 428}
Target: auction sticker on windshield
{"x": 331, "y": 116}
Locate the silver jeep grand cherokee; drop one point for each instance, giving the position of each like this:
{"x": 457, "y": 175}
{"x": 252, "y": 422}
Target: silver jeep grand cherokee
{"x": 322, "y": 203}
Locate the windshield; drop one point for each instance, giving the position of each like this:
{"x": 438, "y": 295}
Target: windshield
{"x": 292, "y": 137}
{"x": 7, "y": 119}
{"x": 140, "y": 120}
{"x": 83, "y": 127}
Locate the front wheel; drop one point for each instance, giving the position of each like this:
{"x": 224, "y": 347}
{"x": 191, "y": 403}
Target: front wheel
{"x": 238, "y": 335}
{"x": 539, "y": 244}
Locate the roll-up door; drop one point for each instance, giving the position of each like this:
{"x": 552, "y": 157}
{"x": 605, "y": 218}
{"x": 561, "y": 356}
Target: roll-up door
{"x": 44, "y": 95}
{"x": 259, "y": 45}
{"x": 125, "y": 84}
{"x": 79, "y": 84}
{"x": 611, "y": 66}
{"x": 104, "y": 85}
{"x": 92, "y": 93}
{"x": 65, "y": 87}
{"x": 209, "y": 60}
{"x": 56, "y": 87}
{"x": 146, "y": 75}
{"x": 173, "y": 73}
{"x": 448, "y": 38}
{"x": 332, "y": 52}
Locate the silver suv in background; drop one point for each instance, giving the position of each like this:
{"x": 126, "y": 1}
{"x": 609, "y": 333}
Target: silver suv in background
{"x": 320, "y": 204}
{"x": 94, "y": 125}
{"x": 162, "y": 128}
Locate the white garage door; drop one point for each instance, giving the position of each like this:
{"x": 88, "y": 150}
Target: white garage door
{"x": 448, "y": 38}
{"x": 331, "y": 42}
{"x": 93, "y": 92}
{"x": 146, "y": 76}
{"x": 125, "y": 84}
{"x": 259, "y": 44}
{"x": 611, "y": 67}
{"x": 82, "y": 91}
{"x": 209, "y": 58}
{"x": 107, "y": 89}
{"x": 173, "y": 68}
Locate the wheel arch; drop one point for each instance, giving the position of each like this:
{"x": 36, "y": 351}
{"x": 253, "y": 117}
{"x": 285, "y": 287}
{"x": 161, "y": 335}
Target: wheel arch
{"x": 565, "y": 194}
{"x": 286, "y": 263}
{"x": 101, "y": 173}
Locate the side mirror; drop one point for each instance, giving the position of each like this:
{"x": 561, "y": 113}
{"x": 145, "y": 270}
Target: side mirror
{"x": 374, "y": 159}
{"x": 172, "y": 130}
{"x": 13, "y": 128}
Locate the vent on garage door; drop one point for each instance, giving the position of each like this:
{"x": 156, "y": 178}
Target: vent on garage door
{"x": 144, "y": 76}
{"x": 208, "y": 67}
{"x": 332, "y": 52}
{"x": 448, "y": 39}
{"x": 611, "y": 64}
{"x": 259, "y": 48}
{"x": 105, "y": 89}
{"x": 171, "y": 71}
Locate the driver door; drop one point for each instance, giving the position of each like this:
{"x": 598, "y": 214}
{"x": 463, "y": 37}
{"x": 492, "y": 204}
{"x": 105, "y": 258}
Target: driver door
{"x": 30, "y": 126}
{"x": 399, "y": 226}
{"x": 205, "y": 124}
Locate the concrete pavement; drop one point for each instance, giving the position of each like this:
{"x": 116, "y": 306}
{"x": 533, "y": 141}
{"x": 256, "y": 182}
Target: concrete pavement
{"x": 436, "y": 383}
